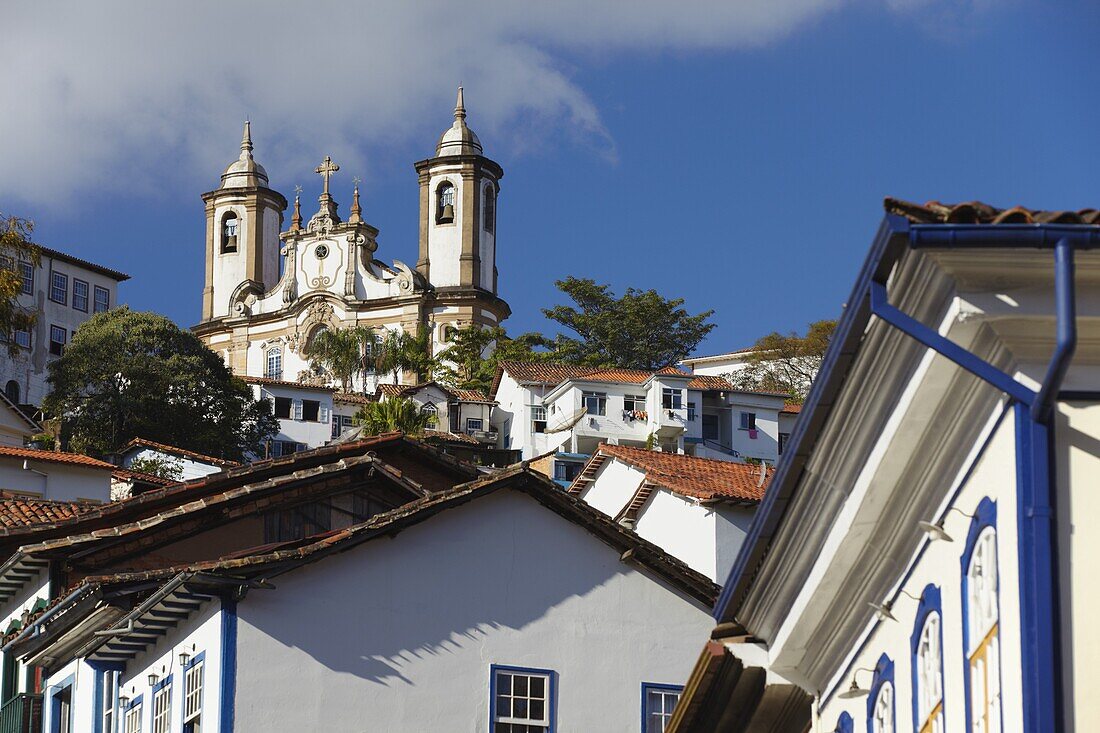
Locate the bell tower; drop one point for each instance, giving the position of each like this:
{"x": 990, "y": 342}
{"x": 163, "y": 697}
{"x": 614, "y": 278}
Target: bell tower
{"x": 458, "y": 206}
{"x": 243, "y": 221}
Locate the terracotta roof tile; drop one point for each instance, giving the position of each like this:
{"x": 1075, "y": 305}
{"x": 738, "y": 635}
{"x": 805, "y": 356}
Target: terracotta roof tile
{"x": 471, "y": 395}
{"x": 23, "y": 511}
{"x": 125, "y": 474}
{"x": 976, "y": 212}
{"x": 791, "y": 408}
{"x": 701, "y": 478}
{"x": 353, "y": 399}
{"x": 182, "y": 452}
{"x": 50, "y": 456}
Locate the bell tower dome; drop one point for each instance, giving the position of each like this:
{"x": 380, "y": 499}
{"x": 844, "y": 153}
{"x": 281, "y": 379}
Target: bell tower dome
{"x": 243, "y": 220}
{"x": 458, "y": 197}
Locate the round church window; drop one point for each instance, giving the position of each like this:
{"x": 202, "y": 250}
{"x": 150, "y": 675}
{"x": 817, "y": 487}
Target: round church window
{"x": 321, "y": 252}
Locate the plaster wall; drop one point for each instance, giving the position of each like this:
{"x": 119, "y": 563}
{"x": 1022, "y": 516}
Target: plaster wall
{"x": 940, "y": 565}
{"x": 732, "y": 524}
{"x": 189, "y": 467}
{"x": 445, "y": 240}
{"x": 683, "y": 528}
{"x": 34, "y": 589}
{"x": 229, "y": 267}
{"x": 402, "y": 632}
{"x": 313, "y": 433}
{"x": 613, "y": 488}
{"x": 62, "y": 482}
{"x": 487, "y": 241}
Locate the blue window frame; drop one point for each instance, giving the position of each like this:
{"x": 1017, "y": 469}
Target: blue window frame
{"x": 844, "y": 724}
{"x": 658, "y": 702}
{"x": 926, "y": 646}
{"x": 105, "y": 709}
{"x": 61, "y": 706}
{"x": 881, "y": 708}
{"x": 132, "y": 716}
{"x": 522, "y": 699}
{"x": 981, "y": 618}
{"x": 162, "y": 706}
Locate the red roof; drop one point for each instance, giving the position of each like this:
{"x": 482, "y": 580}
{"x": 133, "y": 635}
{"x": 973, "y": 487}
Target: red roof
{"x": 791, "y": 408}
{"x": 471, "y": 395}
{"x": 23, "y": 511}
{"x": 182, "y": 452}
{"x": 125, "y": 474}
{"x": 976, "y": 212}
{"x": 51, "y": 456}
{"x": 701, "y": 478}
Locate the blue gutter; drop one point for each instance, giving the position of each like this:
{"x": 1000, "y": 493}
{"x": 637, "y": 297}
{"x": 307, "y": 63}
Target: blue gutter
{"x": 1039, "y": 599}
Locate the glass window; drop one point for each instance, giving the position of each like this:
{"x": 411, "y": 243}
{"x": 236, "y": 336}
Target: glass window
{"x": 521, "y": 701}
{"x": 62, "y": 712}
{"x": 660, "y": 701}
{"x": 633, "y": 403}
{"x": 282, "y": 408}
{"x": 132, "y": 721}
{"x": 192, "y": 697}
{"x": 23, "y": 339}
{"x": 595, "y": 403}
{"x": 109, "y": 689}
{"x": 311, "y": 410}
{"x": 691, "y": 412}
{"x": 929, "y": 677}
{"x": 538, "y": 418}
{"x": 983, "y": 640}
{"x": 59, "y": 288}
{"x": 433, "y": 415}
{"x": 274, "y": 368}
{"x": 473, "y": 425}
{"x": 748, "y": 421}
{"x": 882, "y": 714}
{"x": 102, "y": 299}
{"x": 672, "y": 398}
{"x": 566, "y": 470}
{"x": 58, "y": 338}
{"x": 162, "y": 708}
{"x": 26, "y": 270}
{"x": 80, "y": 295}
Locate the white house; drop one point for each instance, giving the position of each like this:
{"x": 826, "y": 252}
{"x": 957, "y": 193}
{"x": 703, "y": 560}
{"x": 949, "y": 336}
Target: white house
{"x": 919, "y": 561}
{"x": 191, "y": 464}
{"x": 304, "y": 413}
{"x": 717, "y": 365}
{"x": 64, "y": 291}
{"x": 696, "y": 509}
{"x": 16, "y": 427}
{"x": 54, "y": 475}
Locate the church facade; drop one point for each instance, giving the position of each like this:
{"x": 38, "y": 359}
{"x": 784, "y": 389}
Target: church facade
{"x": 269, "y": 290}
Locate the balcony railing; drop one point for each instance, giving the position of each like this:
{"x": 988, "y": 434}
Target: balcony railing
{"x": 22, "y": 714}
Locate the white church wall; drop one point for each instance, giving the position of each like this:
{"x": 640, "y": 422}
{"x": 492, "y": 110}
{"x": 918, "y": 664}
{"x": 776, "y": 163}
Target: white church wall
{"x": 402, "y": 633}
{"x": 445, "y": 240}
{"x": 271, "y": 247}
{"x": 229, "y": 269}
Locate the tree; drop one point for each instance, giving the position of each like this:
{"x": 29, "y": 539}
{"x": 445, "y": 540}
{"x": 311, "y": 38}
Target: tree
{"x": 393, "y": 414}
{"x": 640, "y": 330}
{"x": 785, "y": 363}
{"x": 342, "y": 352}
{"x": 163, "y": 466}
{"x": 128, "y": 374}
{"x": 401, "y": 351}
{"x": 15, "y": 246}
{"x": 471, "y": 359}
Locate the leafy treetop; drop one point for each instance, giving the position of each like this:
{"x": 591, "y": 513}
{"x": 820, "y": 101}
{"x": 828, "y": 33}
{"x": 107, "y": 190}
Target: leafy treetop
{"x": 15, "y": 245}
{"x": 785, "y": 363}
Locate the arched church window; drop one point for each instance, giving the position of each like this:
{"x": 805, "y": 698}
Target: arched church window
{"x": 445, "y": 203}
{"x": 882, "y": 712}
{"x": 490, "y": 208}
{"x": 229, "y": 232}
{"x": 929, "y": 675}
{"x": 274, "y": 368}
{"x": 431, "y": 414}
{"x": 983, "y": 648}
{"x": 11, "y": 391}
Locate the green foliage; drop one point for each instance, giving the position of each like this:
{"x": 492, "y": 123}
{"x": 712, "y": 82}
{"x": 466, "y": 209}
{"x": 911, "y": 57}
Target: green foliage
{"x": 639, "y": 330}
{"x": 165, "y": 467}
{"x": 15, "y": 245}
{"x": 43, "y": 441}
{"x": 785, "y": 363}
{"x": 128, "y": 374}
{"x": 401, "y": 351}
{"x": 393, "y": 414}
{"x": 471, "y": 359}
{"x": 342, "y": 352}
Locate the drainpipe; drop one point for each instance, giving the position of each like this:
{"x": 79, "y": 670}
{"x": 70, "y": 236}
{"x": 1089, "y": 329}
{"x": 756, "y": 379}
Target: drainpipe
{"x": 45, "y": 478}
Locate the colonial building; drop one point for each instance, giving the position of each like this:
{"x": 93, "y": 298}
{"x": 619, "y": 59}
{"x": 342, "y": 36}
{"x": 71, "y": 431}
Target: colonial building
{"x": 63, "y": 291}
{"x": 270, "y": 288}
{"x": 923, "y": 559}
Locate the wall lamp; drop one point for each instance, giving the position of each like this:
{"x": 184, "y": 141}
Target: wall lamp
{"x": 184, "y": 658}
{"x": 884, "y": 610}
{"x": 152, "y": 678}
{"x": 935, "y": 531}
{"x": 854, "y": 690}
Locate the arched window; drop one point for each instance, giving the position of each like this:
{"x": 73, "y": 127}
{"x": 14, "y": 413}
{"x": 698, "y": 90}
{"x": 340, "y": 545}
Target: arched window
{"x": 445, "y": 203}
{"x": 430, "y": 410}
{"x": 880, "y": 703}
{"x": 11, "y": 391}
{"x": 927, "y": 645}
{"x": 981, "y": 629}
{"x": 274, "y": 368}
{"x": 490, "y": 208}
{"x": 229, "y": 232}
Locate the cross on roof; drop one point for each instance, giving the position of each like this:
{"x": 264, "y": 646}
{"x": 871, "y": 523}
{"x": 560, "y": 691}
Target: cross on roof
{"x": 326, "y": 169}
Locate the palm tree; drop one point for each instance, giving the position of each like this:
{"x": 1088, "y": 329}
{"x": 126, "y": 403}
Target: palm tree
{"x": 401, "y": 351}
{"x": 343, "y": 352}
{"x": 398, "y": 413}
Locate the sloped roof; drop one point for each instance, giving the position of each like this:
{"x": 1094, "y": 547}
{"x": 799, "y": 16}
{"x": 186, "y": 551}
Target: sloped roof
{"x": 138, "y": 443}
{"x": 125, "y": 474}
{"x": 31, "y": 422}
{"x": 976, "y": 212}
{"x": 791, "y": 408}
{"x": 553, "y": 374}
{"x": 699, "y": 478}
{"x": 52, "y": 456}
{"x": 472, "y": 395}
{"x": 352, "y": 399}
{"x": 23, "y": 511}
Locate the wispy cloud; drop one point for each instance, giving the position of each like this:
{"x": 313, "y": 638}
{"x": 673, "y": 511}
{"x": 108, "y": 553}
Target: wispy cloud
{"x": 143, "y": 95}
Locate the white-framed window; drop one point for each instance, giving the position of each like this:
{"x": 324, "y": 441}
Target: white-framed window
{"x": 691, "y": 412}
{"x": 748, "y": 421}
{"x": 538, "y": 418}
{"x": 633, "y": 403}
{"x": 595, "y": 403}
{"x": 432, "y": 413}
{"x": 672, "y": 398}
{"x": 474, "y": 425}
{"x": 80, "y": 295}
{"x": 58, "y": 338}
{"x": 192, "y": 696}
{"x": 162, "y": 707}
{"x": 929, "y": 676}
{"x": 131, "y": 721}
{"x": 984, "y": 652}
{"x": 62, "y": 713}
{"x": 102, "y": 299}
{"x": 109, "y": 692}
{"x": 659, "y": 701}
{"x": 59, "y": 288}
{"x": 23, "y": 339}
{"x": 522, "y": 700}
{"x": 274, "y": 368}
{"x": 26, "y": 272}
{"x": 882, "y": 713}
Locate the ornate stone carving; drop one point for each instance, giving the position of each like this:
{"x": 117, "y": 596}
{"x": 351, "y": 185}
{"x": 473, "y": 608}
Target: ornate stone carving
{"x": 406, "y": 280}
{"x": 319, "y": 313}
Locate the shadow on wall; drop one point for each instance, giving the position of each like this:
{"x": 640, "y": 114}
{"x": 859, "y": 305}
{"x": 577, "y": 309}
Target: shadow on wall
{"x": 442, "y": 588}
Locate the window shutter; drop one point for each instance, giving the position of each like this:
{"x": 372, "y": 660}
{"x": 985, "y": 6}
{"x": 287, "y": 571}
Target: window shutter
{"x": 297, "y": 409}
{"x": 323, "y": 416}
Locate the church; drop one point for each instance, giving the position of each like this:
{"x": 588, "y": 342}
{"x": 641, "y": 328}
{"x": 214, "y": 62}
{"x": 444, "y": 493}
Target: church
{"x": 269, "y": 290}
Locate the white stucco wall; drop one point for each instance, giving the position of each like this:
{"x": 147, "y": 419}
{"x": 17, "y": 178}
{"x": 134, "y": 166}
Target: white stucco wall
{"x": 400, "y": 634}
{"x": 732, "y": 524}
{"x": 312, "y": 433}
{"x": 29, "y": 594}
{"x": 61, "y": 482}
{"x": 445, "y": 240}
{"x": 615, "y": 484}
{"x": 682, "y": 528}
{"x": 189, "y": 467}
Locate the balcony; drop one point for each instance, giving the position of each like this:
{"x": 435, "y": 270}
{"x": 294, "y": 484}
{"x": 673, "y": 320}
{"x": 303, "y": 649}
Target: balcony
{"x": 22, "y": 714}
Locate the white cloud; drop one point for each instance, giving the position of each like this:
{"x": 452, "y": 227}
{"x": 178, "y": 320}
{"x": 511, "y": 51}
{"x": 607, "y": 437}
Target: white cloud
{"x": 145, "y": 95}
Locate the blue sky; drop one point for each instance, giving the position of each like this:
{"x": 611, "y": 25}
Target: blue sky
{"x": 742, "y": 173}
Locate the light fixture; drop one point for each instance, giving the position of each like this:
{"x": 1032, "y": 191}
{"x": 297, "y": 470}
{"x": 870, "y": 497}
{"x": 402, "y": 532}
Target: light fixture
{"x": 935, "y": 531}
{"x": 152, "y": 678}
{"x": 123, "y": 700}
{"x": 184, "y": 659}
{"x": 853, "y": 692}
